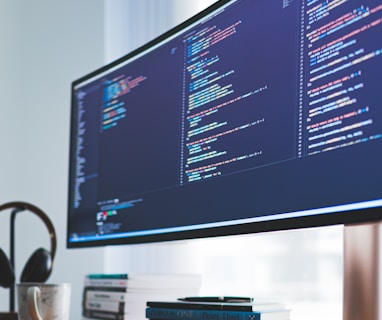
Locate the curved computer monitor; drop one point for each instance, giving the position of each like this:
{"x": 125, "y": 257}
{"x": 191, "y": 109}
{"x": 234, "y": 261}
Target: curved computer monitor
{"x": 251, "y": 116}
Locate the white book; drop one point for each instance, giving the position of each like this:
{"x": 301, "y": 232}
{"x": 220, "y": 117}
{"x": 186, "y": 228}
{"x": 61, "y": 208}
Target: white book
{"x": 105, "y": 295}
{"x": 110, "y": 306}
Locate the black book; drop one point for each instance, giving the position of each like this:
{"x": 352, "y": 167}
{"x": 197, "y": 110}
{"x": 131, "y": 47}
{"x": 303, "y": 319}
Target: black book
{"x": 232, "y": 306}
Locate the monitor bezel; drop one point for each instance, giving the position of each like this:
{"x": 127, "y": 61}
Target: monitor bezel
{"x": 344, "y": 217}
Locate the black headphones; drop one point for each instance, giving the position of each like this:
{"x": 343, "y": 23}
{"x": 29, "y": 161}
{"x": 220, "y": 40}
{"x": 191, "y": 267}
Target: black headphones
{"x": 39, "y": 266}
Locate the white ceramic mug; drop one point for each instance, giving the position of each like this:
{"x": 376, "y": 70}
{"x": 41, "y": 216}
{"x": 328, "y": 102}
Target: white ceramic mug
{"x": 42, "y": 301}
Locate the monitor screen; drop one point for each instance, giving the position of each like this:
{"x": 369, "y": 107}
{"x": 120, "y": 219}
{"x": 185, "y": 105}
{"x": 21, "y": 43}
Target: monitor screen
{"x": 252, "y": 116}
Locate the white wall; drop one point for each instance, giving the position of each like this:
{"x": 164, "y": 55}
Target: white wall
{"x": 45, "y": 44}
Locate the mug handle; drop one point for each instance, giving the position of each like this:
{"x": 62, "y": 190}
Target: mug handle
{"x": 33, "y": 294}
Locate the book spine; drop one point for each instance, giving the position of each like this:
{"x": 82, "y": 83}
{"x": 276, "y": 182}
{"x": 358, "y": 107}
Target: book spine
{"x": 112, "y": 306}
{"x": 118, "y": 276}
{"x": 103, "y": 315}
{"x": 88, "y": 318}
{"x": 105, "y": 295}
{"x": 106, "y": 282}
{"x": 191, "y": 314}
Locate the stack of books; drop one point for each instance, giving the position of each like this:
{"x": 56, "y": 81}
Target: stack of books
{"x": 104, "y": 296}
{"x": 124, "y": 296}
{"x": 216, "y": 308}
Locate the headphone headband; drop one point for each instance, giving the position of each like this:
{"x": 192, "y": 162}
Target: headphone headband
{"x": 41, "y": 214}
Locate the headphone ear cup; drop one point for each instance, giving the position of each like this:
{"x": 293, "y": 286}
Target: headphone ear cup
{"x": 7, "y": 276}
{"x": 38, "y": 267}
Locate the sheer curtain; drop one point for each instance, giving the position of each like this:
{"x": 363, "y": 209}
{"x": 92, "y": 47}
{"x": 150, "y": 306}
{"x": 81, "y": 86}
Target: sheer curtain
{"x": 302, "y": 268}
{"x": 131, "y": 23}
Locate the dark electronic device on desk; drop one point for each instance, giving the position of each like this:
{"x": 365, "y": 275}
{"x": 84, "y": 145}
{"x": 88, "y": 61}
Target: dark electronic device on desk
{"x": 251, "y": 116}
{"x": 217, "y": 299}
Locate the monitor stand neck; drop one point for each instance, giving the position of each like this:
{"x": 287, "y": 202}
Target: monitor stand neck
{"x": 362, "y": 254}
